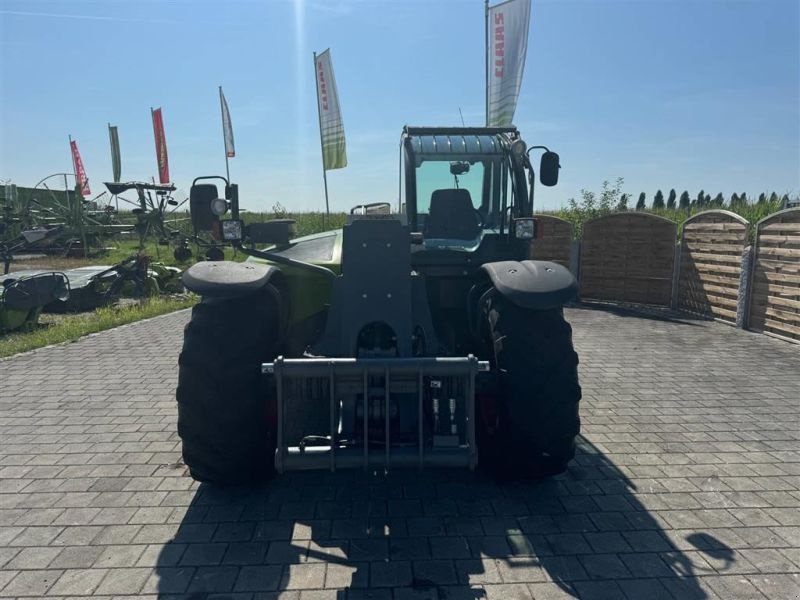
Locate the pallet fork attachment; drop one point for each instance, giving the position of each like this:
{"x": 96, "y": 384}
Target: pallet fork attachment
{"x": 366, "y": 387}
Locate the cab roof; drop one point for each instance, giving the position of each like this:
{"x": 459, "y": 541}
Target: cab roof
{"x": 449, "y": 141}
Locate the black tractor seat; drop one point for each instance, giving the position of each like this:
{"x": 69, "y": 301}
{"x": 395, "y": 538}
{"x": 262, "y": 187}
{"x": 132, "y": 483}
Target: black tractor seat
{"x": 452, "y": 216}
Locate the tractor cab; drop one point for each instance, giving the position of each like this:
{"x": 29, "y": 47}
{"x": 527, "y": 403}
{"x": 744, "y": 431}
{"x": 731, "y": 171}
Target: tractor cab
{"x": 461, "y": 185}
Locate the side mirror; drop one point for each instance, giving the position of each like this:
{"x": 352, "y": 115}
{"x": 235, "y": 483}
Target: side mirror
{"x": 201, "y": 195}
{"x": 548, "y": 169}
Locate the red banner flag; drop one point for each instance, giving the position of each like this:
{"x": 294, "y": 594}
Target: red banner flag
{"x": 80, "y": 173}
{"x": 161, "y": 146}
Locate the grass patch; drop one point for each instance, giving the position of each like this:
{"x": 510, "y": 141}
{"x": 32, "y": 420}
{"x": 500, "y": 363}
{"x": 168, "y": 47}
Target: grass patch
{"x": 55, "y": 329}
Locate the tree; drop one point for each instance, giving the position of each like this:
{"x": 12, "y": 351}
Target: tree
{"x": 719, "y": 200}
{"x": 623, "y": 202}
{"x": 658, "y": 200}
{"x": 594, "y": 205}
{"x": 785, "y": 201}
{"x": 734, "y": 200}
{"x": 762, "y": 198}
{"x": 685, "y": 201}
{"x": 708, "y": 199}
{"x": 671, "y": 198}
{"x": 743, "y": 198}
{"x": 610, "y": 195}
{"x": 701, "y": 198}
{"x": 773, "y": 198}
{"x": 641, "y": 204}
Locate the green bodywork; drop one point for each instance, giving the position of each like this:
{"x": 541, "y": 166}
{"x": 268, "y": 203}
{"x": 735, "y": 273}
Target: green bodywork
{"x": 13, "y": 319}
{"x": 308, "y": 293}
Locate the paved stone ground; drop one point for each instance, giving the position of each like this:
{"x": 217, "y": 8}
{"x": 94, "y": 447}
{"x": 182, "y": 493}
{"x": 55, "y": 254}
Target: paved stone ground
{"x": 687, "y": 486}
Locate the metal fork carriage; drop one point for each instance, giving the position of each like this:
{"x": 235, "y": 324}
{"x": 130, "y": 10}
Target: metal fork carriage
{"x": 367, "y": 401}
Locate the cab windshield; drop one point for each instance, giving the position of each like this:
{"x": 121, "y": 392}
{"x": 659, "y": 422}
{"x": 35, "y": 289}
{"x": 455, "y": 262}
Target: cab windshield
{"x": 460, "y": 199}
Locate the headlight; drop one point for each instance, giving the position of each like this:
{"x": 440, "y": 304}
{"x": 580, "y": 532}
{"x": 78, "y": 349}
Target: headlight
{"x": 525, "y": 229}
{"x": 219, "y": 206}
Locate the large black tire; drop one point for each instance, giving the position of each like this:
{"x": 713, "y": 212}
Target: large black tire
{"x": 536, "y": 415}
{"x": 225, "y": 406}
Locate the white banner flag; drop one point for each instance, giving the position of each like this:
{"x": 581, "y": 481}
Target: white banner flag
{"x": 331, "y": 127}
{"x": 508, "y": 45}
{"x": 227, "y": 127}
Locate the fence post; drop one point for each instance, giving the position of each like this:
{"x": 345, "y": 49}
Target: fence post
{"x": 745, "y": 280}
{"x": 575, "y": 258}
{"x": 676, "y": 276}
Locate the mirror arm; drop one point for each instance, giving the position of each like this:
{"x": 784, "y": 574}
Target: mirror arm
{"x": 282, "y": 260}
{"x": 545, "y": 148}
{"x": 531, "y": 182}
{"x": 232, "y": 196}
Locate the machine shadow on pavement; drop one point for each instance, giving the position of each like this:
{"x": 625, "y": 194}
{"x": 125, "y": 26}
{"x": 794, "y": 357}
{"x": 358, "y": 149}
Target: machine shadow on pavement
{"x": 434, "y": 535}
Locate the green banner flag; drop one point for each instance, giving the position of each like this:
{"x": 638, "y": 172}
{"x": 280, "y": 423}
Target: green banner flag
{"x": 116, "y": 160}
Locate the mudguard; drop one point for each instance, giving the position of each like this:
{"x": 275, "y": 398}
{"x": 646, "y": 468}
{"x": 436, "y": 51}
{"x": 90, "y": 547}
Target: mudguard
{"x": 227, "y": 279}
{"x": 536, "y": 284}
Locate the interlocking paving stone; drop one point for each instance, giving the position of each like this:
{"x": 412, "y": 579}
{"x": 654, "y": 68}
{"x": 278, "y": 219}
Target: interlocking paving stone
{"x": 258, "y": 578}
{"x": 31, "y": 583}
{"x": 686, "y": 485}
{"x": 213, "y": 579}
{"x": 306, "y": 576}
{"x": 77, "y": 582}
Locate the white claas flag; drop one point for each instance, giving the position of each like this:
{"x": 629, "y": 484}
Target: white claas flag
{"x": 334, "y": 150}
{"x": 508, "y": 44}
{"x": 227, "y": 127}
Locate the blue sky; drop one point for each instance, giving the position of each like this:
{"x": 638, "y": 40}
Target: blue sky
{"x": 687, "y": 94}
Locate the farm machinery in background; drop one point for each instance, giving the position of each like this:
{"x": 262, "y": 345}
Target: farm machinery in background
{"x": 22, "y": 299}
{"x": 154, "y": 211}
{"x": 61, "y": 222}
{"x": 46, "y": 220}
{"x": 422, "y": 338}
{"x": 25, "y": 294}
{"x": 94, "y": 286}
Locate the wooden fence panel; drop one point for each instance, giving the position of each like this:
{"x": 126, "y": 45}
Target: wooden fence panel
{"x": 775, "y": 289}
{"x": 628, "y": 257}
{"x": 712, "y": 243}
{"x": 553, "y": 240}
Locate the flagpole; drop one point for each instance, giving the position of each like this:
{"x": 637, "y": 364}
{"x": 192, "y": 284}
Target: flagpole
{"x": 222, "y": 113}
{"x": 321, "y": 145}
{"x": 74, "y": 172}
{"x": 486, "y": 61}
{"x": 155, "y": 139}
{"x": 72, "y": 156}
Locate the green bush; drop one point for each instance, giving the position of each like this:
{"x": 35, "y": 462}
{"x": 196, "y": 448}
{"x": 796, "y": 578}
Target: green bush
{"x": 593, "y": 205}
